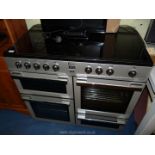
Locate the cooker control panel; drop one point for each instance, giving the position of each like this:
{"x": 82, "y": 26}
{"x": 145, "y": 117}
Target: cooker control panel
{"x": 86, "y": 69}
{"x": 37, "y": 65}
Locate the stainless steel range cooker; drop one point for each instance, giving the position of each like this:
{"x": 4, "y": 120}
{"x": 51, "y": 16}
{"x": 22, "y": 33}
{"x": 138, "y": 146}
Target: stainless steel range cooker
{"x": 91, "y": 78}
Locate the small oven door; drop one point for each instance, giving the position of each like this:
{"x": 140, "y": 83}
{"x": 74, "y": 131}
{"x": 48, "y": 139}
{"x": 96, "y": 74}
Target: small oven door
{"x": 50, "y": 108}
{"x": 106, "y": 98}
{"x": 44, "y": 84}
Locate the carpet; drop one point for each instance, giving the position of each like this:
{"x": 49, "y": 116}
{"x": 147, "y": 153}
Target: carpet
{"x": 15, "y": 123}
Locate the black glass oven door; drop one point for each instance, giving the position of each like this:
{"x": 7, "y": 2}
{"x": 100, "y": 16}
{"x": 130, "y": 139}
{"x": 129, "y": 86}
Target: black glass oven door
{"x": 53, "y": 111}
{"x": 50, "y": 107}
{"x": 45, "y": 85}
{"x": 105, "y": 99}
{"x": 107, "y": 95}
{"x": 48, "y": 85}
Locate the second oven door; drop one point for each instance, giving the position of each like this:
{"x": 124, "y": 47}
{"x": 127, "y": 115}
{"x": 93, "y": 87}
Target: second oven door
{"x": 50, "y": 108}
{"x": 106, "y": 97}
{"x": 43, "y": 84}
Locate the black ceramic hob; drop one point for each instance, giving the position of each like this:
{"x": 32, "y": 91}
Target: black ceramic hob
{"x": 124, "y": 47}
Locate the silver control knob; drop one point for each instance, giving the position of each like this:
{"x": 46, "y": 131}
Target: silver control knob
{"x": 88, "y": 69}
{"x": 36, "y": 66}
{"x": 18, "y": 64}
{"x": 46, "y": 67}
{"x": 110, "y": 71}
{"x": 55, "y": 67}
{"x": 99, "y": 70}
{"x": 27, "y": 65}
{"x": 132, "y": 73}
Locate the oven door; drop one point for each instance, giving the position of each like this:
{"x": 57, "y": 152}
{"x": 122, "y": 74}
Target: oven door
{"x": 44, "y": 84}
{"x": 50, "y": 108}
{"x": 105, "y": 100}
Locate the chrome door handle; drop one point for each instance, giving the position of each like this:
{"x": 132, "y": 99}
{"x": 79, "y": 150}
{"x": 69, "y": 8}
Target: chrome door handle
{"x": 26, "y": 97}
{"x": 117, "y": 121}
{"x": 104, "y": 85}
{"x": 64, "y": 78}
{"x": 15, "y": 73}
{"x": 65, "y": 103}
{"x": 81, "y": 79}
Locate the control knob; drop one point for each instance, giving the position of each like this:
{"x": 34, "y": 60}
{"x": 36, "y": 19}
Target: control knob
{"x": 99, "y": 70}
{"x": 27, "y": 65}
{"x": 110, "y": 71}
{"x": 132, "y": 73}
{"x": 46, "y": 67}
{"x": 18, "y": 64}
{"x": 36, "y": 66}
{"x": 88, "y": 69}
{"x": 55, "y": 67}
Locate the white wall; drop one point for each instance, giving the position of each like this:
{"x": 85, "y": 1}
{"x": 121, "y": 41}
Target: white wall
{"x": 140, "y": 24}
{"x": 31, "y": 22}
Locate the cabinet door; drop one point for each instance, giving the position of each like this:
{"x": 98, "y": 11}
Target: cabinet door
{"x": 13, "y": 29}
{"x": 9, "y": 95}
{"x": 16, "y": 28}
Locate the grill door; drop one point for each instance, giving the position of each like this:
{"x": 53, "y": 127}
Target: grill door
{"x": 42, "y": 84}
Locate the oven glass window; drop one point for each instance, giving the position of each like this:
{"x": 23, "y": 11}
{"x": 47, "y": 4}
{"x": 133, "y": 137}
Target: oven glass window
{"x": 105, "y": 99}
{"x": 53, "y": 111}
{"x": 43, "y": 85}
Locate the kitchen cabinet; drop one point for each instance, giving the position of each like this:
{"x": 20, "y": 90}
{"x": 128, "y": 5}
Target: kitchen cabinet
{"x": 147, "y": 123}
{"x": 9, "y": 95}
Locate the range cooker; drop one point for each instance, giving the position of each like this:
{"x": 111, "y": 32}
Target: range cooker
{"x": 93, "y": 78}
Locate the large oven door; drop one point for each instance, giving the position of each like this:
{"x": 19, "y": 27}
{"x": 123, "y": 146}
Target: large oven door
{"x": 44, "y": 84}
{"x": 108, "y": 98}
{"x": 50, "y": 108}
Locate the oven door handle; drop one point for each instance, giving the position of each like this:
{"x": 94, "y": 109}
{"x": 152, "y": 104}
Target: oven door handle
{"x": 65, "y": 103}
{"x": 46, "y": 99}
{"x": 63, "y": 78}
{"x": 30, "y": 99}
{"x": 18, "y": 75}
{"x": 135, "y": 87}
{"x": 117, "y": 121}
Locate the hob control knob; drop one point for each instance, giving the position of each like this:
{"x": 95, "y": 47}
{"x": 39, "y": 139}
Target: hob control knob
{"x": 99, "y": 70}
{"x": 55, "y": 67}
{"x": 36, "y": 66}
{"x": 110, "y": 71}
{"x": 132, "y": 73}
{"x": 18, "y": 64}
{"x": 46, "y": 67}
{"x": 27, "y": 65}
{"x": 88, "y": 70}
